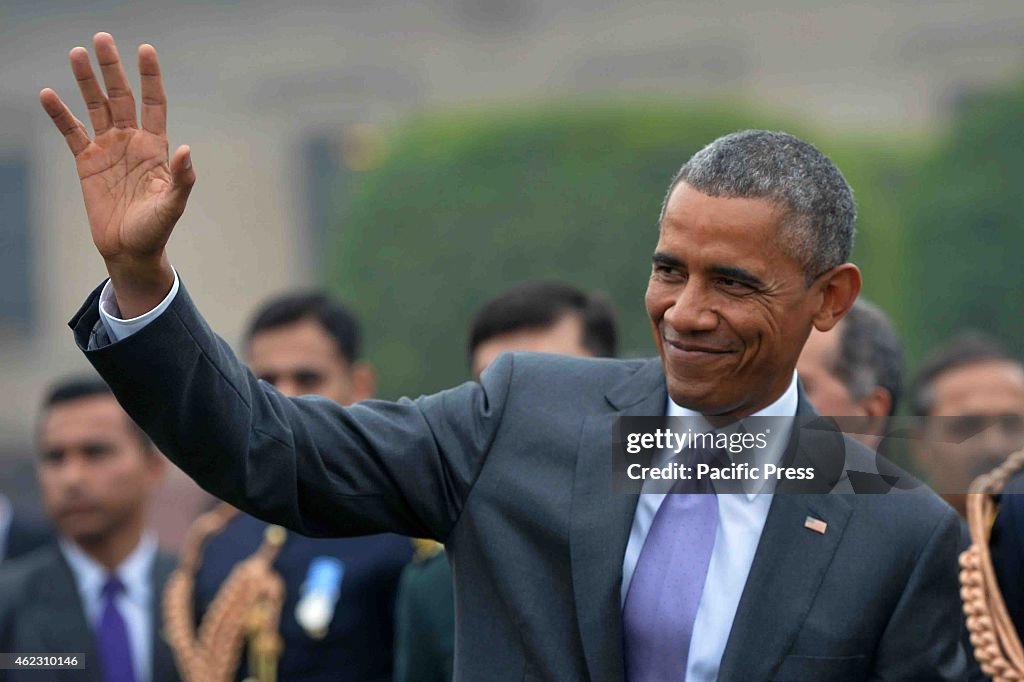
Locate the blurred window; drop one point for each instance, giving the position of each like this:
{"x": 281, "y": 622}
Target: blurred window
{"x": 15, "y": 244}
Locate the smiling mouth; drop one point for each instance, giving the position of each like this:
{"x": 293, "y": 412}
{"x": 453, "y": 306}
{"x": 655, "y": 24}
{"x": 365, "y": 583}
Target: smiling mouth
{"x": 692, "y": 348}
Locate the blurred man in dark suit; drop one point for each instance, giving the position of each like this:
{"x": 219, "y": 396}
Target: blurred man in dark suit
{"x": 542, "y": 317}
{"x": 970, "y": 394}
{"x": 855, "y": 370}
{"x": 307, "y": 343}
{"x": 19, "y": 533}
{"x": 98, "y": 591}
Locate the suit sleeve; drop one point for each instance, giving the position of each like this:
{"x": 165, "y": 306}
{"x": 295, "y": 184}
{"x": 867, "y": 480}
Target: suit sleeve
{"x": 11, "y": 588}
{"x": 305, "y": 463}
{"x": 922, "y": 639}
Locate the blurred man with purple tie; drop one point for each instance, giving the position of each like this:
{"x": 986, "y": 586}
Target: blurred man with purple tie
{"x": 97, "y": 592}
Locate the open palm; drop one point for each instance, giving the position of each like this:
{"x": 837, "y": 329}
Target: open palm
{"x": 133, "y": 193}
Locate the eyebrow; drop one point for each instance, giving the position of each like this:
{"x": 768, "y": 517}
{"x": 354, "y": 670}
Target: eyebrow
{"x": 660, "y": 258}
{"x": 730, "y": 271}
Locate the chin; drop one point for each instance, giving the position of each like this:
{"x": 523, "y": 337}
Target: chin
{"x": 691, "y": 399}
{"x": 84, "y": 534}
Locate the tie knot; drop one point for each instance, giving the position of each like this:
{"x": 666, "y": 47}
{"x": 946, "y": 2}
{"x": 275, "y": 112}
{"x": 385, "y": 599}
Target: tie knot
{"x": 704, "y": 455}
{"x": 699, "y": 480}
{"x": 112, "y": 587}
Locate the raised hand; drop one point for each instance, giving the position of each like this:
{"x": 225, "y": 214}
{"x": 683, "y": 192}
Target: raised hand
{"x": 133, "y": 193}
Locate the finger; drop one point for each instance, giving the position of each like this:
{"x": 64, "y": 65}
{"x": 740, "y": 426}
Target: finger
{"x": 154, "y": 102}
{"x": 119, "y": 92}
{"x": 183, "y": 177}
{"x": 92, "y": 93}
{"x": 70, "y": 127}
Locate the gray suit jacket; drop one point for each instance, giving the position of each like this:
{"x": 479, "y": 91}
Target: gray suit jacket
{"x": 25, "y": 535}
{"x": 514, "y": 476}
{"x": 41, "y": 613}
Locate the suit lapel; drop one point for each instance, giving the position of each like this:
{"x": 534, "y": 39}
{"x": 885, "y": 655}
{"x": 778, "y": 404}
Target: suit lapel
{"x": 789, "y": 566}
{"x": 61, "y": 618}
{"x": 601, "y": 520}
{"x": 69, "y": 632}
{"x": 164, "y": 669}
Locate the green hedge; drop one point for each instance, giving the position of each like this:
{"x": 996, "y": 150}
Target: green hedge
{"x": 965, "y": 212}
{"x": 468, "y": 203}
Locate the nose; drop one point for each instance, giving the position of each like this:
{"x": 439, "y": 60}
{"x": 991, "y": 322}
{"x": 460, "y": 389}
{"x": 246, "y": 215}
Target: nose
{"x": 72, "y": 472}
{"x": 999, "y": 440}
{"x": 288, "y": 387}
{"x": 692, "y": 310}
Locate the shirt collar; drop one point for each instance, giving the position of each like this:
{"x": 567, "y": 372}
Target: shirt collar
{"x": 134, "y": 572}
{"x": 784, "y": 408}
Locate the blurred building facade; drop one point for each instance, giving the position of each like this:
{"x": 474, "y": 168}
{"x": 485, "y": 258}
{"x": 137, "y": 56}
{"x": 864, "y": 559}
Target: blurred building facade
{"x": 277, "y": 98}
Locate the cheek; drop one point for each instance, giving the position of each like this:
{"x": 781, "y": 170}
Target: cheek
{"x": 657, "y": 299}
{"x": 772, "y": 335}
{"x": 750, "y": 324}
{"x": 49, "y": 487}
{"x": 53, "y": 480}
{"x": 120, "y": 481}
{"x": 341, "y": 381}
{"x": 946, "y": 457}
{"x": 833, "y": 399}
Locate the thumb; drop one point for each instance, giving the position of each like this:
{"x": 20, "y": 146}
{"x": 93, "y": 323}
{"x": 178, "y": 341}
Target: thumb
{"x": 183, "y": 177}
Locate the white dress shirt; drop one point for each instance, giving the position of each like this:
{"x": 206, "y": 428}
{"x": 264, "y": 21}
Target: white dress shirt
{"x": 135, "y": 603}
{"x": 741, "y": 518}
{"x": 119, "y": 329}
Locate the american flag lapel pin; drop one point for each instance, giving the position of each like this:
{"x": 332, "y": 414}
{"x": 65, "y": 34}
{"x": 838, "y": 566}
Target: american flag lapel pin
{"x": 817, "y": 525}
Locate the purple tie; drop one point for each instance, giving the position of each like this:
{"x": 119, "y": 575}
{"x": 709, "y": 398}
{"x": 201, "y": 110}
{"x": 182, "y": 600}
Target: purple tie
{"x": 112, "y": 637}
{"x": 667, "y": 583}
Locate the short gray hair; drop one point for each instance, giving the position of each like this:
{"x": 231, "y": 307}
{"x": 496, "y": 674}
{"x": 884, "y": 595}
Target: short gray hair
{"x": 819, "y": 225}
{"x": 870, "y": 353}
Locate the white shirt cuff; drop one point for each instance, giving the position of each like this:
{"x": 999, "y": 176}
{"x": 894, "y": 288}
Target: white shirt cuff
{"x": 120, "y": 329}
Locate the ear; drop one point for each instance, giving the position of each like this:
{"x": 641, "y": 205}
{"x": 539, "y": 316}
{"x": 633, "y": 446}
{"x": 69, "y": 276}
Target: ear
{"x": 878, "y": 403}
{"x": 876, "y": 406}
{"x": 156, "y": 467}
{"x": 364, "y": 381}
{"x": 839, "y": 288}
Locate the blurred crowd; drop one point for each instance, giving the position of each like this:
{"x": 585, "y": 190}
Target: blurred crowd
{"x": 109, "y": 579}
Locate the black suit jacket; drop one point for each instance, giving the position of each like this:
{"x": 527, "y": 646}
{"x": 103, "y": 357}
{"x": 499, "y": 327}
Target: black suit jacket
{"x": 41, "y": 612}
{"x": 514, "y": 475}
{"x": 1008, "y": 549}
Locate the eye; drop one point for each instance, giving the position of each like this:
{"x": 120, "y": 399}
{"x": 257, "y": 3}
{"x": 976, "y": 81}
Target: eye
{"x": 668, "y": 271}
{"x": 52, "y": 457}
{"x": 97, "y": 451}
{"x": 308, "y": 378}
{"x": 734, "y": 284}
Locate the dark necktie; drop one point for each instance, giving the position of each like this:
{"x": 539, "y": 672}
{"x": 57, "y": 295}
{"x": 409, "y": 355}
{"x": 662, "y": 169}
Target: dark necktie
{"x": 112, "y": 637}
{"x": 668, "y": 581}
